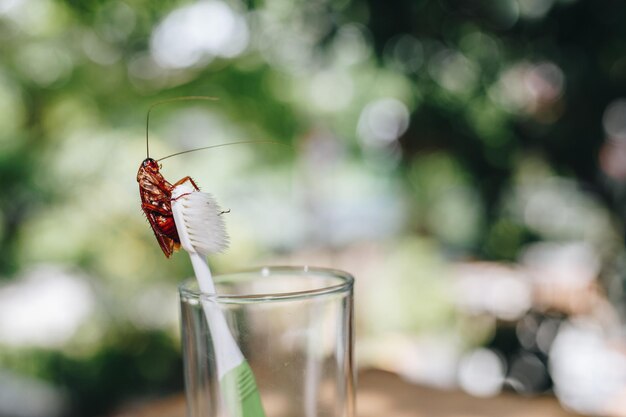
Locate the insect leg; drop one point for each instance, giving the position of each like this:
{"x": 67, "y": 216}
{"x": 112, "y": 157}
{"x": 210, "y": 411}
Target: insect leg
{"x": 182, "y": 195}
{"x": 187, "y": 178}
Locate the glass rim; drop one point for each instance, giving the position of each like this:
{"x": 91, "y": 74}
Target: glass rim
{"x": 345, "y": 284}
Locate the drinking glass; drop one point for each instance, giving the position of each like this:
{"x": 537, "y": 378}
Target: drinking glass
{"x": 294, "y": 325}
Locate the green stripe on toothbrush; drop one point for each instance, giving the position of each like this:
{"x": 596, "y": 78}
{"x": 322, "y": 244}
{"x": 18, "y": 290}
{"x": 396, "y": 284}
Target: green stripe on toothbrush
{"x": 241, "y": 393}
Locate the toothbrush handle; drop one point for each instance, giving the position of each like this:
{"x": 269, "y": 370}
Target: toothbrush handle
{"x": 227, "y": 351}
{"x": 203, "y": 273}
{"x": 238, "y": 382}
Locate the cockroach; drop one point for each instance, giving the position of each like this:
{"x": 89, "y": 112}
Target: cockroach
{"x": 156, "y": 192}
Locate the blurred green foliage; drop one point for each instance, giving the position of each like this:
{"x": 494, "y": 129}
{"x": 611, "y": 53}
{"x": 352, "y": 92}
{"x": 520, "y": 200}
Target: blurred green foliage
{"x": 433, "y": 118}
{"x": 127, "y": 365}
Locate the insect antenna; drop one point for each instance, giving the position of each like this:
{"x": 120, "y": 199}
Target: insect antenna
{"x": 170, "y": 100}
{"x": 223, "y": 144}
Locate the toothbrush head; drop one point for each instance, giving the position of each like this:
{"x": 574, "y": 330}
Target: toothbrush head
{"x": 204, "y": 231}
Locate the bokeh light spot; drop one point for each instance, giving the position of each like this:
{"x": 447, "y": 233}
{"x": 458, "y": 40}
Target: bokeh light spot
{"x": 453, "y": 71}
{"x": 45, "y": 64}
{"x": 383, "y": 121}
{"x": 45, "y": 308}
{"x": 404, "y": 53}
{"x": 481, "y": 373}
{"x": 195, "y": 34}
{"x": 534, "y": 9}
{"x": 614, "y": 119}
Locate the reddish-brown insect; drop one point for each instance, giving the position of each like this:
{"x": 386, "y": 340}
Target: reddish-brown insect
{"x": 156, "y": 197}
{"x": 156, "y": 192}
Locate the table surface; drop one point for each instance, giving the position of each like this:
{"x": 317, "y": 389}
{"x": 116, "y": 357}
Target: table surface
{"x": 383, "y": 394}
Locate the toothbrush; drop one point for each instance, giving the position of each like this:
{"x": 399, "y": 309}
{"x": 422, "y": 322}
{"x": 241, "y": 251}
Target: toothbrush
{"x": 201, "y": 231}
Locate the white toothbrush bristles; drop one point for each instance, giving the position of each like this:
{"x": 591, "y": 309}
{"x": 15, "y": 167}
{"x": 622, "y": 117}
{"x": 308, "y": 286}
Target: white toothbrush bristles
{"x": 203, "y": 220}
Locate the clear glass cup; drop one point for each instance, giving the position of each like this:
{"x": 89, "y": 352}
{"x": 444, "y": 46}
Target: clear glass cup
{"x": 294, "y": 325}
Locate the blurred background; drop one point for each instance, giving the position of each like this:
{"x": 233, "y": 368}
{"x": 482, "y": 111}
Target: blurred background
{"x": 464, "y": 159}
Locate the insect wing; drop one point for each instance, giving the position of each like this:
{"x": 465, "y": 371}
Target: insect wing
{"x": 167, "y": 245}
